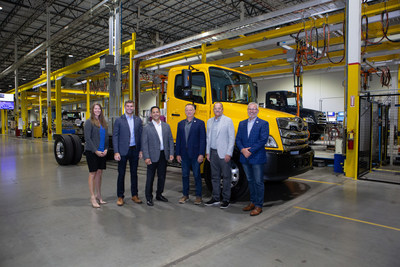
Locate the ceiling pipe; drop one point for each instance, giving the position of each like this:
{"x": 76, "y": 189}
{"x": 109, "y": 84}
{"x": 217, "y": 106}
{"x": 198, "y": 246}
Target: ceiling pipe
{"x": 76, "y": 24}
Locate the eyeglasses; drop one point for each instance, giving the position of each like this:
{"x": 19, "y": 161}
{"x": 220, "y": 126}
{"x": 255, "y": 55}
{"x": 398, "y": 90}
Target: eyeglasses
{"x": 252, "y": 109}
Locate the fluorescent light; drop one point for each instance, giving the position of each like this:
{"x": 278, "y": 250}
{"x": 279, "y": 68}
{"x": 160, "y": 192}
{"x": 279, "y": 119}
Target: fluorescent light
{"x": 1, "y": 8}
{"x": 70, "y": 55}
{"x": 80, "y": 83}
{"x": 286, "y": 47}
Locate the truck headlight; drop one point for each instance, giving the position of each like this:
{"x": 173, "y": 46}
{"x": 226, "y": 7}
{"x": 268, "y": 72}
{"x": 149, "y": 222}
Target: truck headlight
{"x": 271, "y": 142}
{"x": 309, "y": 120}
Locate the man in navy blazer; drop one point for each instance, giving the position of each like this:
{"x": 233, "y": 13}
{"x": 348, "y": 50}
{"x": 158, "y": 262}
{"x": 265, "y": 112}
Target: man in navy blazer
{"x": 251, "y": 137}
{"x": 127, "y": 135}
{"x": 190, "y": 151}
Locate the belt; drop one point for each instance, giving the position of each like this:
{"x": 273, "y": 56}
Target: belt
{"x": 132, "y": 147}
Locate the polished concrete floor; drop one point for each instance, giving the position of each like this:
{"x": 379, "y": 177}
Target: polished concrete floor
{"x": 315, "y": 219}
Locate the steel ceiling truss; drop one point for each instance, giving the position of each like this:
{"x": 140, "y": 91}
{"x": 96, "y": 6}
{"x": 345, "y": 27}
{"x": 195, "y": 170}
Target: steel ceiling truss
{"x": 168, "y": 21}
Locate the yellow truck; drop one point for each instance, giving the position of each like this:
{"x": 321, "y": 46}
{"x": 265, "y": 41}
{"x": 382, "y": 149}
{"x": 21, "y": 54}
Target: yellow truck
{"x": 288, "y": 152}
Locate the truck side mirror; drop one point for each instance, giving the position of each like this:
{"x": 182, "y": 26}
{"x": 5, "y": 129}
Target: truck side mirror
{"x": 187, "y": 83}
{"x": 255, "y": 88}
{"x": 187, "y": 78}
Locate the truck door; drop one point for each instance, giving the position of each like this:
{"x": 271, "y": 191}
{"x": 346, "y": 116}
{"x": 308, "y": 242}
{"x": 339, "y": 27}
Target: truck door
{"x": 177, "y": 102}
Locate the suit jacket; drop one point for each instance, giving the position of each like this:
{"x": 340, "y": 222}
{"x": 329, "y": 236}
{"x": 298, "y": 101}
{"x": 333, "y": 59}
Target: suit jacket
{"x": 151, "y": 142}
{"x": 92, "y": 137}
{"x": 225, "y": 136}
{"x": 256, "y": 141}
{"x": 122, "y": 134}
{"x": 196, "y": 144}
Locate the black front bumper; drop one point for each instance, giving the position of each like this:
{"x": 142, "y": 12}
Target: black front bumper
{"x": 281, "y": 165}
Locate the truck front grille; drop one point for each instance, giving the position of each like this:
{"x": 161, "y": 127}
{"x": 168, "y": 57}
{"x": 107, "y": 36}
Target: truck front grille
{"x": 294, "y": 133}
{"x": 321, "y": 119}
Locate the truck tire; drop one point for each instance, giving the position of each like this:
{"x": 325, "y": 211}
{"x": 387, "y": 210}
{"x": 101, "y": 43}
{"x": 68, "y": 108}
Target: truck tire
{"x": 63, "y": 149}
{"x": 78, "y": 149}
{"x": 239, "y": 186}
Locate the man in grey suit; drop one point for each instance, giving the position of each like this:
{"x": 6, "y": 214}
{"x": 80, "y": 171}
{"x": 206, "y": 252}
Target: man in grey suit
{"x": 157, "y": 147}
{"x": 127, "y": 135}
{"x": 219, "y": 149}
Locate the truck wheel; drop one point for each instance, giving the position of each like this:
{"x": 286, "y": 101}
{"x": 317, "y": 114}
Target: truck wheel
{"x": 239, "y": 187}
{"x": 63, "y": 150}
{"x": 77, "y": 146}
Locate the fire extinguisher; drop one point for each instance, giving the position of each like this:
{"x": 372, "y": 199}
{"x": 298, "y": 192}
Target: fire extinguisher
{"x": 350, "y": 140}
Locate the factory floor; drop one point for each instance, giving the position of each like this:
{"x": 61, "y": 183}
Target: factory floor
{"x": 315, "y": 219}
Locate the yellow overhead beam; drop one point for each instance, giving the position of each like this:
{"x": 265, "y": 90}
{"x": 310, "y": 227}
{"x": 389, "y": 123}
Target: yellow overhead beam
{"x": 75, "y": 67}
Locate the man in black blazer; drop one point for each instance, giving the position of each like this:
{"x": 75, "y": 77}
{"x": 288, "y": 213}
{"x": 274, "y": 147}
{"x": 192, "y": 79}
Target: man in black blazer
{"x": 158, "y": 148}
{"x": 190, "y": 151}
{"x": 127, "y": 137}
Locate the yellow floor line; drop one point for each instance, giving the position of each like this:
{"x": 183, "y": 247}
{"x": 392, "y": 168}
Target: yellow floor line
{"x": 375, "y": 169}
{"x": 350, "y": 219}
{"x": 314, "y": 181}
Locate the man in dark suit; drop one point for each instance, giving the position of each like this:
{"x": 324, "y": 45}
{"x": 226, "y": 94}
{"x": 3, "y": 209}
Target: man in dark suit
{"x": 158, "y": 148}
{"x": 190, "y": 149}
{"x": 127, "y": 136}
{"x": 251, "y": 137}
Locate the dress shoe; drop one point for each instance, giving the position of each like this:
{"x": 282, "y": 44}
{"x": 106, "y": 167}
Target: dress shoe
{"x": 101, "y": 201}
{"x": 249, "y": 207}
{"x": 94, "y": 202}
{"x": 256, "y": 211}
{"x": 150, "y": 202}
{"x": 137, "y": 200}
{"x": 120, "y": 201}
{"x": 161, "y": 198}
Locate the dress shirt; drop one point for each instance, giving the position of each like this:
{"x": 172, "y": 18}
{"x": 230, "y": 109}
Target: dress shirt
{"x": 131, "y": 123}
{"x": 159, "y": 132}
{"x": 188, "y": 125}
{"x": 214, "y": 130}
{"x": 250, "y": 124}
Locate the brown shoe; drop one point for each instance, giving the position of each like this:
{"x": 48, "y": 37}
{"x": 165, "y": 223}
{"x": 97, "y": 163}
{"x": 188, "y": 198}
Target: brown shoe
{"x": 137, "y": 200}
{"x": 120, "y": 201}
{"x": 183, "y": 199}
{"x": 198, "y": 201}
{"x": 256, "y": 211}
{"x": 249, "y": 207}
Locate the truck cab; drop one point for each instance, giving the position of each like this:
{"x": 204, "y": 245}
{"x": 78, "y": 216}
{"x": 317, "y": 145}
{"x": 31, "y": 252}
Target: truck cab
{"x": 285, "y": 101}
{"x": 287, "y": 150}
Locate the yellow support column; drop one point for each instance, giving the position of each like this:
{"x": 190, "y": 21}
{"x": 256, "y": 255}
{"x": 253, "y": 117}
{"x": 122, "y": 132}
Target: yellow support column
{"x": 87, "y": 99}
{"x": 203, "y": 53}
{"x": 24, "y": 111}
{"x": 58, "y": 107}
{"x": 3, "y": 121}
{"x": 131, "y": 65}
{"x": 352, "y": 98}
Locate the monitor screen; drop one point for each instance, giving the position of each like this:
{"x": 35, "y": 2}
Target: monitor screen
{"x": 331, "y": 113}
{"x": 6, "y": 97}
{"x": 341, "y": 113}
{"x": 6, "y": 105}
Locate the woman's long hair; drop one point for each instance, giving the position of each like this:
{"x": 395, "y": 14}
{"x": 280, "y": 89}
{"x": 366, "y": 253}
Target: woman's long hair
{"x": 101, "y": 119}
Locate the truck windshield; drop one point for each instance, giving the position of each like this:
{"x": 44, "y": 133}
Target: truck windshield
{"x": 292, "y": 99}
{"x": 230, "y": 86}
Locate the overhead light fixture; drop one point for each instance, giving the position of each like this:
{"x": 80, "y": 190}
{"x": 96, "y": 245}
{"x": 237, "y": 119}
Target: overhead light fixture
{"x": 1, "y": 8}
{"x": 70, "y": 55}
{"x": 286, "y": 47}
{"x": 80, "y": 83}
{"x": 277, "y": 28}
